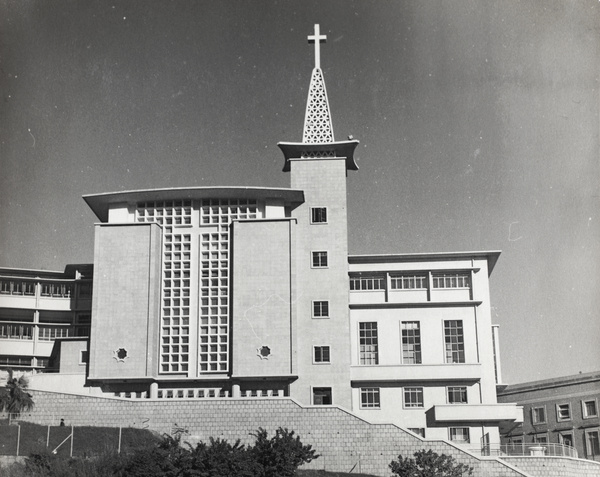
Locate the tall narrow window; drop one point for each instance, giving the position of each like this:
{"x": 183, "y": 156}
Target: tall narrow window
{"x": 411, "y": 342}
{"x": 319, "y": 259}
{"x": 320, "y": 309}
{"x": 538, "y": 415}
{"x": 318, "y": 215}
{"x": 589, "y": 408}
{"x": 592, "y": 444}
{"x": 369, "y": 398}
{"x": 369, "y": 353}
{"x": 454, "y": 341}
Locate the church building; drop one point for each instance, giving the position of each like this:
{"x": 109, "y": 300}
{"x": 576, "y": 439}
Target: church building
{"x": 249, "y": 292}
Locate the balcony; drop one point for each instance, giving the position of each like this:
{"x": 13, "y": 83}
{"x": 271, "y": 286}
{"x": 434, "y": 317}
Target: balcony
{"x": 448, "y": 413}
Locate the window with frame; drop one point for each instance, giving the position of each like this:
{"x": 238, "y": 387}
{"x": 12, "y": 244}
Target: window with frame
{"x": 405, "y": 282}
{"x": 589, "y": 408}
{"x": 83, "y": 356}
{"x": 540, "y": 438}
{"x": 563, "y": 412}
{"x": 592, "y": 443}
{"x": 413, "y": 397}
{"x": 319, "y": 259}
{"x": 460, "y": 435}
{"x": 318, "y": 215}
{"x": 367, "y": 334}
{"x": 454, "y": 341}
{"x": 411, "y": 342}
{"x": 419, "y": 431}
{"x": 321, "y": 354}
{"x": 538, "y": 415}
{"x": 366, "y": 283}
{"x": 566, "y": 439}
{"x": 457, "y": 395}
{"x": 322, "y": 397}
{"x": 321, "y": 309}
{"x": 452, "y": 280}
{"x": 369, "y": 398}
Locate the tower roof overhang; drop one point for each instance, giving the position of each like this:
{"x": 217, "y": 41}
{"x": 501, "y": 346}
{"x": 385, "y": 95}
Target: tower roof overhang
{"x": 321, "y": 151}
{"x": 100, "y": 203}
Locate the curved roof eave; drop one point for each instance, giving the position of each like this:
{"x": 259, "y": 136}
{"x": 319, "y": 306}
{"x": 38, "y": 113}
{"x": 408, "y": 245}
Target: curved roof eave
{"x": 99, "y": 203}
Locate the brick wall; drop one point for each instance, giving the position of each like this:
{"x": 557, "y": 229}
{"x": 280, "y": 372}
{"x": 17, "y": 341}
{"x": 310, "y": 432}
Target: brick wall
{"x": 343, "y": 440}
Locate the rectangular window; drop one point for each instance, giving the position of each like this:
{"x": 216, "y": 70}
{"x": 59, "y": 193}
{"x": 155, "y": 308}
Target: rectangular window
{"x": 369, "y": 398}
{"x": 320, "y": 309}
{"x": 566, "y": 439}
{"x": 413, "y": 397}
{"x": 321, "y": 354}
{"x": 589, "y": 408}
{"x": 451, "y": 280}
{"x": 366, "y": 283}
{"x": 318, "y": 215}
{"x": 538, "y": 415}
{"x": 419, "y": 431}
{"x": 563, "y": 412}
{"x": 592, "y": 443}
{"x": 540, "y": 438}
{"x": 460, "y": 435}
{"x": 457, "y": 395}
{"x": 369, "y": 353}
{"x": 319, "y": 259}
{"x": 411, "y": 342}
{"x": 83, "y": 357}
{"x": 455, "y": 341}
{"x": 322, "y": 396}
{"x": 415, "y": 282}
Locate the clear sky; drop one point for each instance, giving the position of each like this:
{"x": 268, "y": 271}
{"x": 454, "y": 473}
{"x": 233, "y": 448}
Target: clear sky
{"x": 478, "y": 122}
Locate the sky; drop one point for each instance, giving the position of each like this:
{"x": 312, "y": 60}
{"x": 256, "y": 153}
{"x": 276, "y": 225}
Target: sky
{"x": 478, "y": 124}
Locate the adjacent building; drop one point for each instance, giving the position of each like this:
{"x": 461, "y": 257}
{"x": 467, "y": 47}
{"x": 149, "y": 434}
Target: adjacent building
{"x": 234, "y": 292}
{"x": 557, "y": 411}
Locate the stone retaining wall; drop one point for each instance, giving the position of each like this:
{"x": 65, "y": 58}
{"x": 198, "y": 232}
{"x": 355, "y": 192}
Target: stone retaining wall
{"x": 556, "y": 466}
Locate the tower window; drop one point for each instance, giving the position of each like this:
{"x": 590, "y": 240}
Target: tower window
{"x": 411, "y": 342}
{"x": 454, "y": 340}
{"x": 367, "y": 335}
{"x": 319, "y": 259}
{"x": 318, "y": 215}
{"x": 321, "y": 354}
{"x": 320, "y": 309}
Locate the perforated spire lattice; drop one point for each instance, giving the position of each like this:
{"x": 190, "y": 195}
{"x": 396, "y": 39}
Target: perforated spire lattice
{"x": 317, "y": 121}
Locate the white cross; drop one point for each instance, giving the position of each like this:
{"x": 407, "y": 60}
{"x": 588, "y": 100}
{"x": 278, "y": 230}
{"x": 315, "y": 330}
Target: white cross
{"x": 317, "y": 38}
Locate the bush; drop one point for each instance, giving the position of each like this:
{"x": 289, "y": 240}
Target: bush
{"x": 429, "y": 464}
{"x": 281, "y": 455}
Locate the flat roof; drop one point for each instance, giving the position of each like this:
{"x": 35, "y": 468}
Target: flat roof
{"x": 491, "y": 257}
{"x": 99, "y": 203}
{"x": 550, "y": 383}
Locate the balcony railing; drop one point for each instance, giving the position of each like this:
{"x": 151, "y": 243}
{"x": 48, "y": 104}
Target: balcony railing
{"x": 16, "y": 332}
{"x": 530, "y": 449}
{"x": 49, "y": 333}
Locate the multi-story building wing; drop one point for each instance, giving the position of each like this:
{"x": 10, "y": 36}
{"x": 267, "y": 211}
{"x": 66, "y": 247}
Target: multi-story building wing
{"x": 558, "y": 411}
{"x": 38, "y": 307}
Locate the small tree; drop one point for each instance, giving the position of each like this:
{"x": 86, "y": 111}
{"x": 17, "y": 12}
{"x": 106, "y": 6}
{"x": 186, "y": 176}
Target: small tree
{"x": 14, "y": 397}
{"x": 429, "y": 464}
{"x": 282, "y": 454}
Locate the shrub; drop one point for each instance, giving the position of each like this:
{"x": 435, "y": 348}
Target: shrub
{"x": 282, "y": 454}
{"x": 429, "y": 464}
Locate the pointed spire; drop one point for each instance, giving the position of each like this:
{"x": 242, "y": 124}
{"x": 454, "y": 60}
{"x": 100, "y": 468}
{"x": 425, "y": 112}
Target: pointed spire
{"x": 317, "y": 120}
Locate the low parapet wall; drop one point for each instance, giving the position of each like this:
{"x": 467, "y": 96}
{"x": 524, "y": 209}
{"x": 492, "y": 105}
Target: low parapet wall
{"x": 556, "y": 466}
{"x": 344, "y": 441}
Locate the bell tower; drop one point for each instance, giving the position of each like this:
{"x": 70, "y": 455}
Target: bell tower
{"x": 318, "y": 165}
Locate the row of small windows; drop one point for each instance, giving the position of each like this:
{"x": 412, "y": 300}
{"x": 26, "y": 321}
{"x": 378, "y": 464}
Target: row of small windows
{"x": 410, "y": 282}
{"x": 413, "y": 397}
{"x": 454, "y": 342}
{"x": 589, "y": 409}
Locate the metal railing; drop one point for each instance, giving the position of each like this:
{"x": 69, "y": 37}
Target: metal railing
{"x": 530, "y": 449}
